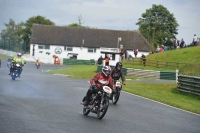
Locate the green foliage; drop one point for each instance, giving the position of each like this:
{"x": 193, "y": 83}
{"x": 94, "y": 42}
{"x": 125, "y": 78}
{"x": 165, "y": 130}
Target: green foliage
{"x": 158, "y": 25}
{"x": 12, "y": 32}
{"x": 28, "y": 26}
{"x": 75, "y": 25}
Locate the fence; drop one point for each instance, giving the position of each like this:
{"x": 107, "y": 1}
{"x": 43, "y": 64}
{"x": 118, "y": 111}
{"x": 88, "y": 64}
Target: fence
{"x": 184, "y": 68}
{"x": 189, "y": 84}
{"x": 10, "y": 45}
{"x": 155, "y": 63}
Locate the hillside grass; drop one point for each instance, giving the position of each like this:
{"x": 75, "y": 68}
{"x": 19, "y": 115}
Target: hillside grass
{"x": 189, "y": 55}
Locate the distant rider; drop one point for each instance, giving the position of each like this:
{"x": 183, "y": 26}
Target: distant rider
{"x": 37, "y": 62}
{"x": 17, "y": 59}
{"x": 103, "y": 76}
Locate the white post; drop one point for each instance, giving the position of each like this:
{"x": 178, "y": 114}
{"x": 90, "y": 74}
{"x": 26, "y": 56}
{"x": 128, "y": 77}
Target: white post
{"x": 176, "y": 75}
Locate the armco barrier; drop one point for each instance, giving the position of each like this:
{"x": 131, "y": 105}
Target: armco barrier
{"x": 168, "y": 75}
{"x": 150, "y": 74}
{"x": 189, "y": 84}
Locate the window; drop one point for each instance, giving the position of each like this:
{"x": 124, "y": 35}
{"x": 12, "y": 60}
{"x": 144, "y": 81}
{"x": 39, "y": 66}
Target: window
{"x": 43, "y": 46}
{"x": 46, "y": 46}
{"x": 40, "y": 47}
{"x": 68, "y": 48}
{"x": 92, "y": 50}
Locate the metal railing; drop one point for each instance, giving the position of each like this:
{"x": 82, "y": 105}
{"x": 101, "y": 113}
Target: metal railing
{"x": 189, "y": 84}
{"x": 11, "y": 45}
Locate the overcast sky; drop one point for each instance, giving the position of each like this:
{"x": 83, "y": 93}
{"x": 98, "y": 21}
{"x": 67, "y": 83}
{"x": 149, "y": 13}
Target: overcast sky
{"x": 103, "y": 14}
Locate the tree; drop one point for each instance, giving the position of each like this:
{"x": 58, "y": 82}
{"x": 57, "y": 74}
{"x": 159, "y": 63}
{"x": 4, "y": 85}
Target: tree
{"x": 158, "y": 25}
{"x": 28, "y": 27}
{"x": 12, "y": 34}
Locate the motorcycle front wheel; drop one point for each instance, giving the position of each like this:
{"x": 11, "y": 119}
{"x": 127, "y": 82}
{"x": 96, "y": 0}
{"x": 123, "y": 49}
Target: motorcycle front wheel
{"x": 102, "y": 109}
{"x": 86, "y": 110}
{"x": 115, "y": 97}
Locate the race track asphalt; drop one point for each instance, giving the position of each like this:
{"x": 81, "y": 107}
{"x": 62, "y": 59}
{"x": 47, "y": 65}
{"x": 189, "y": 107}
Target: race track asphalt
{"x": 39, "y": 102}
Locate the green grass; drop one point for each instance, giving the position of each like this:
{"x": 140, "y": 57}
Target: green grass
{"x": 190, "y": 55}
{"x": 165, "y": 93}
{"x": 78, "y": 71}
{"x": 183, "y": 55}
{"x": 4, "y": 57}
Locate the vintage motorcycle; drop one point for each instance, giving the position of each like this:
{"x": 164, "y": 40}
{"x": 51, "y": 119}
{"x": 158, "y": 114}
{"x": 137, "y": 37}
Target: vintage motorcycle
{"x": 99, "y": 103}
{"x": 37, "y": 64}
{"x": 16, "y": 68}
{"x": 116, "y": 91}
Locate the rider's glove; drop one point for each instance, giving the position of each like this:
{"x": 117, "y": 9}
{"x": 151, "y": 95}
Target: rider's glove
{"x": 124, "y": 83}
{"x": 93, "y": 86}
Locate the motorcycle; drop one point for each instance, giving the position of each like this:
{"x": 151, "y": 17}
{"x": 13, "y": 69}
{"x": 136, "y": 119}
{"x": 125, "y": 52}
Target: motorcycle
{"x": 99, "y": 103}
{"x": 116, "y": 92}
{"x": 37, "y": 64}
{"x": 16, "y": 68}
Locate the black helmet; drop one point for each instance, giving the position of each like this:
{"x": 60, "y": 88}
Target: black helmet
{"x": 106, "y": 70}
{"x": 118, "y": 64}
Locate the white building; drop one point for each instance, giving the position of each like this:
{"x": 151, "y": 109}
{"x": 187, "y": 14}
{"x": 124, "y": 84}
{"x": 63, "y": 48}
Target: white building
{"x": 83, "y": 43}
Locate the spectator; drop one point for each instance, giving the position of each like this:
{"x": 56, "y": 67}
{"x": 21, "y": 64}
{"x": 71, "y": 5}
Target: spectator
{"x": 135, "y": 52}
{"x": 151, "y": 51}
{"x": 121, "y": 53}
{"x": 175, "y": 44}
{"x": 164, "y": 48}
{"x": 158, "y": 48}
{"x": 195, "y": 40}
{"x": 107, "y": 59}
{"x": 100, "y": 60}
{"x": 182, "y": 43}
{"x": 143, "y": 59}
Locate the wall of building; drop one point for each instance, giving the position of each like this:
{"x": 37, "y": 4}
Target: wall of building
{"x": 82, "y": 53}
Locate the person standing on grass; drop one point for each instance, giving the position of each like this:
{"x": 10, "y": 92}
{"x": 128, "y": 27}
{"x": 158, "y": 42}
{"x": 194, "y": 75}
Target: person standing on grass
{"x": 143, "y": 59}
{"x": 100, "y": 60}
{"x": 195, "y": 40}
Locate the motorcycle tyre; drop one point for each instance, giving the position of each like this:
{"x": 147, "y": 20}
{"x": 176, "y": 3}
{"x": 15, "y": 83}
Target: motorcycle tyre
{"x": 106, "y": 104}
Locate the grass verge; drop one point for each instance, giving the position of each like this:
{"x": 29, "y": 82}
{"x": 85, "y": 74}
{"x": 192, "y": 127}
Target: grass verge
{"x": 4, "y": 57}
{"x": 165, "y": 93}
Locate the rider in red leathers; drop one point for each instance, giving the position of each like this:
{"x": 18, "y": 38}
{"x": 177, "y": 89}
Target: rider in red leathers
{"x": 97, "y": 82}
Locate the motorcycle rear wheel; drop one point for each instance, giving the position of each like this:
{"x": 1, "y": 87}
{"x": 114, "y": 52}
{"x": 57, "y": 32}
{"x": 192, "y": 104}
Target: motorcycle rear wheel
{"x": 13, "y": 75}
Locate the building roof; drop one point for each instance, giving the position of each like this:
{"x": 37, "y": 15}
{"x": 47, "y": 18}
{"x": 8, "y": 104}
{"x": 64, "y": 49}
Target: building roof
{"x": 68, "y": 36}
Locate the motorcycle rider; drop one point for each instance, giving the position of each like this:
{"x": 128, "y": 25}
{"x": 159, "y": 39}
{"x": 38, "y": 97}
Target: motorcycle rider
{"x": 17, "y": 59}
{"x": 96, "y": 85}
{"x": 37, "y": 62}
{"x": 117, "y": 73}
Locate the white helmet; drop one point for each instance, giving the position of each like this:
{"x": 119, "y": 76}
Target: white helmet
{"x": 19, "y": 54}
{"x": 106, "y": 70}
